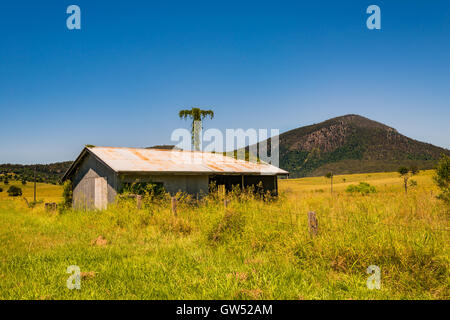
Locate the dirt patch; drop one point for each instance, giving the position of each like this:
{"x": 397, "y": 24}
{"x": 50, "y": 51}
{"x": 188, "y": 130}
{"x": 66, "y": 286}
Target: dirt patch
{"x": 100, "y": 241}
{"x": 87, "y": 275}
{"x": 241, "y": 276}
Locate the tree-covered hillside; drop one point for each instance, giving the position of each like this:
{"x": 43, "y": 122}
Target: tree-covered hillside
{"x": 49, "y": 173}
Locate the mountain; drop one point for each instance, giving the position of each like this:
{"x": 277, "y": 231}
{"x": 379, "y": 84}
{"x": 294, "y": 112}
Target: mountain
{"x": 352, "y": 144}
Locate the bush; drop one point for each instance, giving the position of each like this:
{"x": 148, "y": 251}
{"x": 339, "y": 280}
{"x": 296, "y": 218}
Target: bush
{"x": 67, "y": 194}
{"x": 14, "y": 191}
{"x": 1, "y": 190}
{"x": 144, "y": 188}
{"x": 363, "y": 188}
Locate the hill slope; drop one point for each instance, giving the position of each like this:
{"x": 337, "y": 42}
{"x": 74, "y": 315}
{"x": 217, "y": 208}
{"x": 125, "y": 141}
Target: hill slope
{"x": 48, "y": 173}
{"x": 352, "y": 144}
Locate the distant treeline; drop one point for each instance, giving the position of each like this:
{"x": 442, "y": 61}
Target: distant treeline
{"x": 47, "y": 173}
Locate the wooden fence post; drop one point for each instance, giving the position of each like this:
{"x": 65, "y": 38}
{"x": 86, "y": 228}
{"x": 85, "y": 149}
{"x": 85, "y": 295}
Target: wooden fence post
{"x": 174, "y": 206}
{"x": 138, "y": 201}
{"x": 26, "y": 201}
{"x": 313, "y": 223}
{"x": 224, "y": 193}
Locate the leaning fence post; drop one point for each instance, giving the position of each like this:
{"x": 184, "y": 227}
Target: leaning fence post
{"x": 313, "y": 223}
{"x": 174, "y": 206}
{"x": 138, "y": 201}
{"x": 26, "y": 201}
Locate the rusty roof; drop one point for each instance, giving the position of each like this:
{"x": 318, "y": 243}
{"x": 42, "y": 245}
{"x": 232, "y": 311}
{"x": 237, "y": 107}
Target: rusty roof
{"x": 136, "y": 160}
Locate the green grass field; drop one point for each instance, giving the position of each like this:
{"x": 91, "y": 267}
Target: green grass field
{"x": 45, "y": 192}
{"x": 251, "y": 250}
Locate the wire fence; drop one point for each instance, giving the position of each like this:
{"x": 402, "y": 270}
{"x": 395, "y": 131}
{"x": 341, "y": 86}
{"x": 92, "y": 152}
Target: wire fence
{"x": 292, "y": 219}
{"x": 296, "y": 221}
{"x": 295, "y": 216}
{"x": 327, "y": 227}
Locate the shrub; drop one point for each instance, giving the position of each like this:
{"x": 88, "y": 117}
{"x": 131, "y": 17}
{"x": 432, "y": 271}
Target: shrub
{"x": 363, "y": 188}
{"x": 14, "y": 191}
{"x": 67, "y": 194}
{"x": 144, "y": 188}
{"x": 1, "y": 190}
{"x": 24, "y": 182}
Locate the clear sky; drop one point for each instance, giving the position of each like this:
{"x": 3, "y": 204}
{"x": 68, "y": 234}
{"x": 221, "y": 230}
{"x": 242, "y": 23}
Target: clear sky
{"x": 121, "y": 79}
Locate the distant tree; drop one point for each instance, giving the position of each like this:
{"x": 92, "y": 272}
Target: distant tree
{"x": 329, "y": 175}
{"x": 403, "y": 171}
{"x": 406, "y": 173}
{"x": 442, "y": 178}
{"x": 14, "y": 191}
{"x": 196, "y": 114}
{"x": 1, "y": 189}
{"x": 24, "y": 182}
{"x": 6, "y": 181}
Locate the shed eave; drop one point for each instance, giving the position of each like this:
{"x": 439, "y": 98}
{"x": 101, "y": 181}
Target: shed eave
{"x": 215, "y": 173}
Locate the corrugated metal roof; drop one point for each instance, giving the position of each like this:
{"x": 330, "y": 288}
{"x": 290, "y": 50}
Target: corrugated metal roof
{"x": 176, "y": 161}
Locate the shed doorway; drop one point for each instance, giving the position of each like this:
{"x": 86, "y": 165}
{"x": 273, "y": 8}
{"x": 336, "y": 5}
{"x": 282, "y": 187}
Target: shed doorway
{"x": 101, "y": 193}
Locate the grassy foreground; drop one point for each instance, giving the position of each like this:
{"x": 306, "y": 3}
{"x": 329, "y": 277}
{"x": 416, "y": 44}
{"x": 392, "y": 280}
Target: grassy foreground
{"x": 251, "y": 250}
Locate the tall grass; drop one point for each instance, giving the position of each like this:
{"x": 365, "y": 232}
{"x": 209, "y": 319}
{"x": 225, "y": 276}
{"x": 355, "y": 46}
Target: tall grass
{"x": 252, "y": 249}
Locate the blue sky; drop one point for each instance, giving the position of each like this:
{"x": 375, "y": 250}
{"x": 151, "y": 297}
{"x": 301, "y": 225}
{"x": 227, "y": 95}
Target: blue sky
{"x": 121, "y": 79}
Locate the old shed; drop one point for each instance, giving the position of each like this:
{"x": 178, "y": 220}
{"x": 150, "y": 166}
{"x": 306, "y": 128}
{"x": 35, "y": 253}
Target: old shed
{"x": 99, "y": 173}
